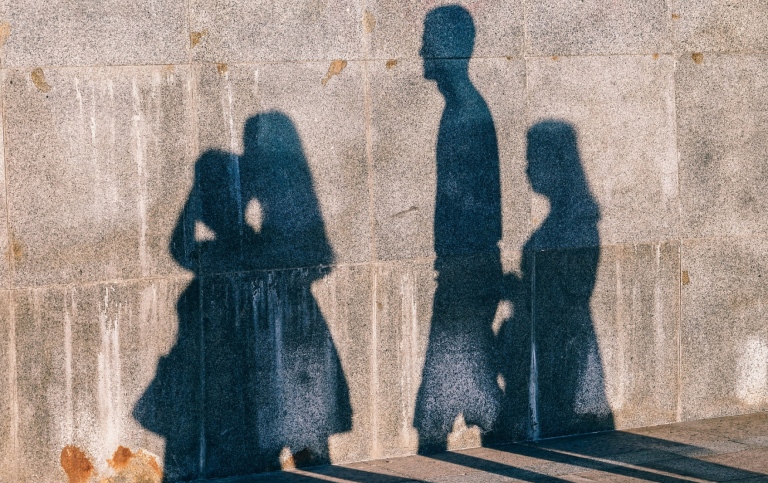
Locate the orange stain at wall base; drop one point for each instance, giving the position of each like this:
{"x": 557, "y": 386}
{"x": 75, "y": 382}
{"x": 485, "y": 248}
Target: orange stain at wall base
{"x": 76, "y": 464}
{"x": 121, "y": 458}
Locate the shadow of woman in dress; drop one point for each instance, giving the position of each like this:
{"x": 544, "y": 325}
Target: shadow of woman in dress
{"x": 254, "y": 380}
{"x": 552, "y": 296}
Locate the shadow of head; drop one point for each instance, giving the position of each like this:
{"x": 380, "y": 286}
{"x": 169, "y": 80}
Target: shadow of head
{"x": 274, "y": 135}
{"x": 449, "y": 33}
{"x": 555, "y": 171}
{"x": 216, "y": 191}
{"x": 554, "y": 168}
{"x": 275, "y": 173}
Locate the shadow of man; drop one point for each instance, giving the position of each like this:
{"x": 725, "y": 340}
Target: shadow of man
{"x": 254, "y": 378}
{"x": 459, "y": 376}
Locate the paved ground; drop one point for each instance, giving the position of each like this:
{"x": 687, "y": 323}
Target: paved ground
{"x": 724, "y": 449}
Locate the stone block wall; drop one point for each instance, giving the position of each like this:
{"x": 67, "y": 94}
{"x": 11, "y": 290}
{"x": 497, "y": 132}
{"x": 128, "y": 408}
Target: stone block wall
{"x": 219, "y": 226}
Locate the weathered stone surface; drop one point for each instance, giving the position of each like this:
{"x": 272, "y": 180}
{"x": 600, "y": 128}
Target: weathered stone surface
{"x": 8, "y": 418}
{"x": 635, "y": 306}
{"x": 622, "y": 112}
{"x": 405, "y": 123}
{"x": 605, "y": 324}
{"x": 227, "y": 368}
{"x": 169, "y": 318}
{"x": 403, "y": 303}
{"x": 562, "y": 27}
{"x": 718, "y": 26}
{"x": 724, "y": 339}
{"x": 167, "y": 366}
{"x": 265, "y": 31}
{"x": 227, "y": 95}
{"x": 723, "y": 138}
{"x": 5, "y": 248}
{"x": 345, "y": 299}
{"x": 396, "y": 28}
{"x": 97, "y": 169}
{"x": 87, "y": 33}
{"x": 299, "y": 142}
{"x": 246, "y": 236}
{"x": 93, "y": 349}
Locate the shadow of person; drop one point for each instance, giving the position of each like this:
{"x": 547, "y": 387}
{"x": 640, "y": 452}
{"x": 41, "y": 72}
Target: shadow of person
{"x": 458, "y": 377}
{"x": 559, "y": 267}
{"x": 254, "y": 380}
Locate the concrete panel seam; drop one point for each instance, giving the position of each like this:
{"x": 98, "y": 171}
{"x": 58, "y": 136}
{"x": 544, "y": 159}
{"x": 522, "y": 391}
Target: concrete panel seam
{"x": 741, "y": 53}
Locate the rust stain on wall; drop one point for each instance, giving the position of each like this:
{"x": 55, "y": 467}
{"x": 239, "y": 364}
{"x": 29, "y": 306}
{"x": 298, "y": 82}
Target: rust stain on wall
{"x": 555, "y": 58}
{"x": 655, "y": 56}
{"x": 686, "y": 278}
{"x": 5, "y": 32}
{"x": 17, "y": 249}
{"x": 133, "y": 467}
{"x": 697, "y": 57}
{"x": 196, "y": 37}
{"x": 38, "y": 78}
{"x": 675, "y": 16}
{"x": 154, "y": 466}
{"x": 334, "y": 69}
{"x": 391, "y": 63}
{"x": 76, "y": 464}
{"x": 128, "y": 467}
{"x": 222, "y": 68}
{"x": 369, "y": 22}
{"x": 297, "y": 460}
{"x": 121, "y": 458}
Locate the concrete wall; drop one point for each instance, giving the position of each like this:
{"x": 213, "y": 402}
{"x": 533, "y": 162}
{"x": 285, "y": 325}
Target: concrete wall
{"x": 132, "y": 336}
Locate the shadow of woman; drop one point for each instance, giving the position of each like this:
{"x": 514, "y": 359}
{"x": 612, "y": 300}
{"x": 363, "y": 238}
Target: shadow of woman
{"x": 254, "y": 380}
{"x": 559, "y": 268}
